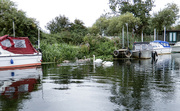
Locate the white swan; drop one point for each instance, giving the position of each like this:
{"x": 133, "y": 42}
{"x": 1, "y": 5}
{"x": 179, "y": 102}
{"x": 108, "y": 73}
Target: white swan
{"x": 107, "y": 63}
{"x": 98, "y": 61}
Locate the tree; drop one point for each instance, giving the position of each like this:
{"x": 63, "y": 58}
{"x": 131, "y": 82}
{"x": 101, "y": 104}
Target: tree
{"x": 139, "y": 8}
{"x": 24, "y": 26}
{"x": 116, "y": 23}
{"x": 166, "y": 17}
{"x": 59, "y": 24}
{"x": 78, "y": 31}
{"x": 78, "y": 27}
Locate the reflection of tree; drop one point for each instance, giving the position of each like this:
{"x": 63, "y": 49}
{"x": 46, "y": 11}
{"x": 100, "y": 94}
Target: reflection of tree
{"x": 133, "y": 88}
{"x": 135, "y": 85}
{"x": 65, "y": 75}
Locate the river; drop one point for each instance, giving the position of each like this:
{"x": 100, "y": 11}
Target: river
{"x": 128, "y": 85}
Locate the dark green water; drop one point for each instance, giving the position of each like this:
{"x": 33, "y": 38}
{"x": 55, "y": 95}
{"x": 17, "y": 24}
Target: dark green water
{"x": 128, "y": 85}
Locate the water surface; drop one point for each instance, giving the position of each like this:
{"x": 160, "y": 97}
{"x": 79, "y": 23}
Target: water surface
{"x": 132, "y": 85}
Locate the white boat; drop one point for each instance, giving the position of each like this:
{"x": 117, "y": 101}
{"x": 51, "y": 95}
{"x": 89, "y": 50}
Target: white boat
{"x": 161, "y": 47}
{"x": 18, "y": 52}
{"x": 142, "y": 50}
{"x": 176, "y": 47}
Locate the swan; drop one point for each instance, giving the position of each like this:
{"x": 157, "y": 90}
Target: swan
{"x": 107, "y": 63}
{"x": 97, "y": 60}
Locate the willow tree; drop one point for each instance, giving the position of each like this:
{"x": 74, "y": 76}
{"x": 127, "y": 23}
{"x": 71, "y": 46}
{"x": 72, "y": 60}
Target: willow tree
{"x": 139, "y": 8}
{"x": 116, "y": 23}
{"x": 24, "y": 26}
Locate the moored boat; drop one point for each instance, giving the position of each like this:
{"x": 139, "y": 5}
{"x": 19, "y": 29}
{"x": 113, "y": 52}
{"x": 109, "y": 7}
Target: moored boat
{"x": 176, "y": 47}
{"x": 18, "y": 52}
{"x": 142, "y": 50}
{"x": 161, "y": 47}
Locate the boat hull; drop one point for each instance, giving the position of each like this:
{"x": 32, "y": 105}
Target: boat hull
{"x": 15, "y": 61}
{"x": 143, "y": 54}
{"x": 175, "y": 48}
{"x": 163, "y": 50}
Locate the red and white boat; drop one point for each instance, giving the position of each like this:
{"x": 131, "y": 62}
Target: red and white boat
{"x": 18, "y": 52}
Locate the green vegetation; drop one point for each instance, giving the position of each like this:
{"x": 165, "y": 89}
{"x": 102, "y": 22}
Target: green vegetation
{"x": 68, "y": 40}
{"x": 57, "y": 52}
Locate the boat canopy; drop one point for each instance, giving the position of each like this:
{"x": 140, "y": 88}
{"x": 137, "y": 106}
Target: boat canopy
{"x": 163, "y": 43}
{"x": 17, "y": 45}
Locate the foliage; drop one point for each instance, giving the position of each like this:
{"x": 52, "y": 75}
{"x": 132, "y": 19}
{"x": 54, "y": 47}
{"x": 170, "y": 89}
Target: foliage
{"x": 116, "y": 23}
{"x": 138, "y": 8}
{"x": 99, "y": 45}
{"x": 112, "y": 26}
{"x": 166, "y": 17}
{"x": 78, "y": 31}
{"x": 58, "y": 52}
{"x": 24, "y": 26}
{"x": 58, "y": 24}
{"x": 68, "y": 32}
{"x": 101, "y": 25}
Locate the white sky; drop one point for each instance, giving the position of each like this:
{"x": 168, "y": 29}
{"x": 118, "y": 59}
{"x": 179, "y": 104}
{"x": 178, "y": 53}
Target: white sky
{"x": 86, "y": 10}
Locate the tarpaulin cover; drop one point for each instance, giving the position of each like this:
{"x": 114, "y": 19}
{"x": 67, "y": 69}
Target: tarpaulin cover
{"x": 17, "y": 45}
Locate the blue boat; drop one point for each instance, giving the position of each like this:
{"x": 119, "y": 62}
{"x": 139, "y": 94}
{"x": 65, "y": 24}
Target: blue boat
{"x": 161, "y": 47}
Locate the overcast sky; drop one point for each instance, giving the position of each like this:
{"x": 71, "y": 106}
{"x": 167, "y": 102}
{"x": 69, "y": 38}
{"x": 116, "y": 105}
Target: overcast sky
{"x": 86, "y": 10}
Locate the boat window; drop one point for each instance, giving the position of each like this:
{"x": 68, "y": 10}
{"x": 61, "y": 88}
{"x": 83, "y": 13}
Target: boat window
{"x": 144, "y": 46}
{"x": 19, "y": 43}
{"x": 137, "y": 47}
{"x": 6, "y": 43}
{"x": 150, "y": 47}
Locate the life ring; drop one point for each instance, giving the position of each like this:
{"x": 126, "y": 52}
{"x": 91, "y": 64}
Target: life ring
{"x": 128, "y": 53}
{"x": 116, "y": 53}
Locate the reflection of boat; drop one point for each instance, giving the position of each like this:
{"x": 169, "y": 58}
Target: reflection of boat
{"x": 18, "y": 52}
{"x": 161, "y": 47}
{"x": 17, "y": 81}
{"x": 162, "y": 62}
{"x": 142, "y": 50}
{"x": 176, "y": 47}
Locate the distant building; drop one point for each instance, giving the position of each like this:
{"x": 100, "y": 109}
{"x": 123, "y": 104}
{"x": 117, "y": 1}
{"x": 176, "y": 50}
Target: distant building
{"x": 172, "y": 36}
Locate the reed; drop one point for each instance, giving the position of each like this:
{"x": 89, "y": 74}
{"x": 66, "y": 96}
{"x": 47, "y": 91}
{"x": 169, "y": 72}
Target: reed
{"x": 58, "y": 52}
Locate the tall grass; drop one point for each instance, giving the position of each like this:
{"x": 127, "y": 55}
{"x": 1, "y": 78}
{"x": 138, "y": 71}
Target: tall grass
{"x": 58, "y": 52}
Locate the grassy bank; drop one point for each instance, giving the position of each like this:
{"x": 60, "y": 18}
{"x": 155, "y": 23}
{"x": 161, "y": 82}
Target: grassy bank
{"x": 92, "y": 45}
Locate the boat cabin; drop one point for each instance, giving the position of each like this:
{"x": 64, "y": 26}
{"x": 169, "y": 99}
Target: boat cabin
{"x": 16, "y": 45}
{"x": 142, "y": 46}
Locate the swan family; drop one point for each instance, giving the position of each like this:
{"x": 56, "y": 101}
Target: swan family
{"x": 95, "y": 61}
{"x": 100, "y": 61}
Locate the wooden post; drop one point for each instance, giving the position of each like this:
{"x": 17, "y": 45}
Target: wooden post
{"x": 154, "y": 34}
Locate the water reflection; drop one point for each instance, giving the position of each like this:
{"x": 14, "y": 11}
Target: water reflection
{"x": 15, "y": 85}
{"x": 127, "y": 85}
{"x": 135, "y": 85}
{"x": 144, "y": 85}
